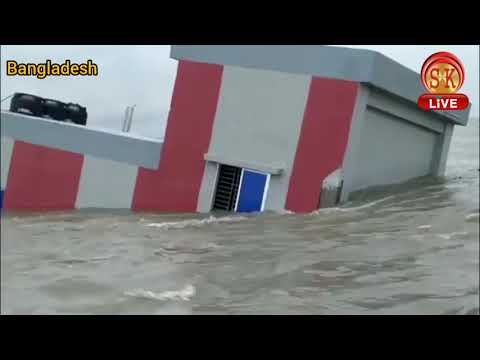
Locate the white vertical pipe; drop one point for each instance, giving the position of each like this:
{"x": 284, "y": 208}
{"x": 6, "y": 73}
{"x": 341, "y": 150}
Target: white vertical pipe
{"x": 130, "y": 118}
{"x": 125, "y": 119}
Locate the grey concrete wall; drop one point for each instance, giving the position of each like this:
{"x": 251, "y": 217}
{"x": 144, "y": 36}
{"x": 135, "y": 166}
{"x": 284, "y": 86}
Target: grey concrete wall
{"x": 267, "y": 168}
{"x": 390, "y": 151}
{"x": 441, "y": 152}
{"x": 207, "y": 190}
{"x": 404, "y": 110}
{"x": 106, "y": 184}
{"x": 393, "y": 141}
{"x": 106, "y": 144}
{"x": 351, "y": 161}
{"x": 258, "y": 121}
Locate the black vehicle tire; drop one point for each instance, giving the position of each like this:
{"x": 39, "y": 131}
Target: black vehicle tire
{"x": 54, "y": 109}
{"x": 27, "y": 104}
{"x": 77, "y": 114}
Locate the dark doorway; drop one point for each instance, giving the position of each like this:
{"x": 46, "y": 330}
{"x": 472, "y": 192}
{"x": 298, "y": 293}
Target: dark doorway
{"x": 227, "y": 188}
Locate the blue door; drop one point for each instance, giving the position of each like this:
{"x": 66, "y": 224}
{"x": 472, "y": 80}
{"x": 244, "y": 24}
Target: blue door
{"x": 253, "y": 189}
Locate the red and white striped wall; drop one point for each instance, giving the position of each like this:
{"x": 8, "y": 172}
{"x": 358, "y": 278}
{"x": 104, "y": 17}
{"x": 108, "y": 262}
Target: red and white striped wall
{"x": 39, "y": 178}
{"x": 323, "y": 141}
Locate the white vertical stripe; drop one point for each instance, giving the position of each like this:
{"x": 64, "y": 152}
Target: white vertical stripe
{"x": 265, "y": 192}
{"x": 239, "y": 190}
{"x": 259, "y": 120}
{"x": 6, "y": 157}
{"x": 106, "y": 184}
{"x": 351, "y": 160}
{"x": 208, "y": 187}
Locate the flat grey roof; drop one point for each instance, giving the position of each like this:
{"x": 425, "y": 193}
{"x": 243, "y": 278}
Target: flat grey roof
{"x": 102, "y": 143}
{"x": 363, "y": 66}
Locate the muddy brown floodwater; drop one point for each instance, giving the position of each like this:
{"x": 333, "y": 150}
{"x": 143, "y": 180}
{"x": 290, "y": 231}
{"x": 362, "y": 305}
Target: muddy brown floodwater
{"x": 412, "y": 249}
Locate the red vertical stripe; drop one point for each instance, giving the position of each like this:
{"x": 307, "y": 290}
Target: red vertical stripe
{"x": 175, "y": 186}
{"x": 41, "y": 178}
{"x": 323, "y": 141}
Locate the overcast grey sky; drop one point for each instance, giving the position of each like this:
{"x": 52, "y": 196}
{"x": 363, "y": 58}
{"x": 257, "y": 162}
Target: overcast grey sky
{"x": 145, "y": 75}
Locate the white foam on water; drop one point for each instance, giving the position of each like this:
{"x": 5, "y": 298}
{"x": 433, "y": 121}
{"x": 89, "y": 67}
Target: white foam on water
{"x": 424, "y": 227}
{"x": 473, "y": 216}
{"x": 333, "y": 180}
{"x": 351, "y": 209}
{"x": 195, "y": 223}
{"x": 449, "y": 236}
{"x": 284, "y": 212}
{"x": 184, "y": 294}
{"x": 419, "y": 199}
{"x": 83, "y": 260}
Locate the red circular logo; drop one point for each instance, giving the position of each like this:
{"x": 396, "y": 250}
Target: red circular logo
{"x": 443, "y": 73}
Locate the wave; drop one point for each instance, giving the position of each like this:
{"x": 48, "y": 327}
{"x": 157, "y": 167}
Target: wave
{"x": 184, "y": 294}
{"x": 454, "y": 234}
{"x": 196, "y": 223}
{"x": 351, "y": 209}
{"x": 77, "y": 261}
{"x": 424, "y": 227}
{"x": 474, "y": 216}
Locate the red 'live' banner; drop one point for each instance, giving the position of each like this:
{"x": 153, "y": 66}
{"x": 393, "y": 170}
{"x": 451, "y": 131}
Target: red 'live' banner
{"x": 443, "y": 102}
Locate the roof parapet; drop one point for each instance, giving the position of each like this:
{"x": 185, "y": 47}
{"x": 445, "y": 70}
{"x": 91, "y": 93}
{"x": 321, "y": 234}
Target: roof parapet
{"x": 359, "y": 65}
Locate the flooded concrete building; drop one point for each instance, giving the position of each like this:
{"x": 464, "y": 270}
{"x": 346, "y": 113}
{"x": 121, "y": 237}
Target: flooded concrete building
{"x": 250, "y": 129}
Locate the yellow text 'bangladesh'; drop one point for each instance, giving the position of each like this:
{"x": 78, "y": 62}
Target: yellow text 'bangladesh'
{"x": 41, "y": 71}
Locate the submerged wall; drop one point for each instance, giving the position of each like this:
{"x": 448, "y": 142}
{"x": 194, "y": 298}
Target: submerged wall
{"x": 257, "y": 126}
{"x": 393, "y": 141}
{"x": 292, "y": 127}
{"x": 314, "y": 139}
{"x": 48, "y": 165}
{"x": 175, "y": 185}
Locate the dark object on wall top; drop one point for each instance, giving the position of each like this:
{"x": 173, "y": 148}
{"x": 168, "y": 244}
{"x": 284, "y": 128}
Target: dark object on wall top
{"x": 27, "y": 104}
{"x": 48, "y": 108}
{"x": 76, "y": 113}
{"x": 55, "y": 110}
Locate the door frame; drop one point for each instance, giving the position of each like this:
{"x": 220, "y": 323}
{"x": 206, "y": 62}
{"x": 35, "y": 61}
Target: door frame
{"x": 214, "y": 189}
{"x": 265, "y": 189}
